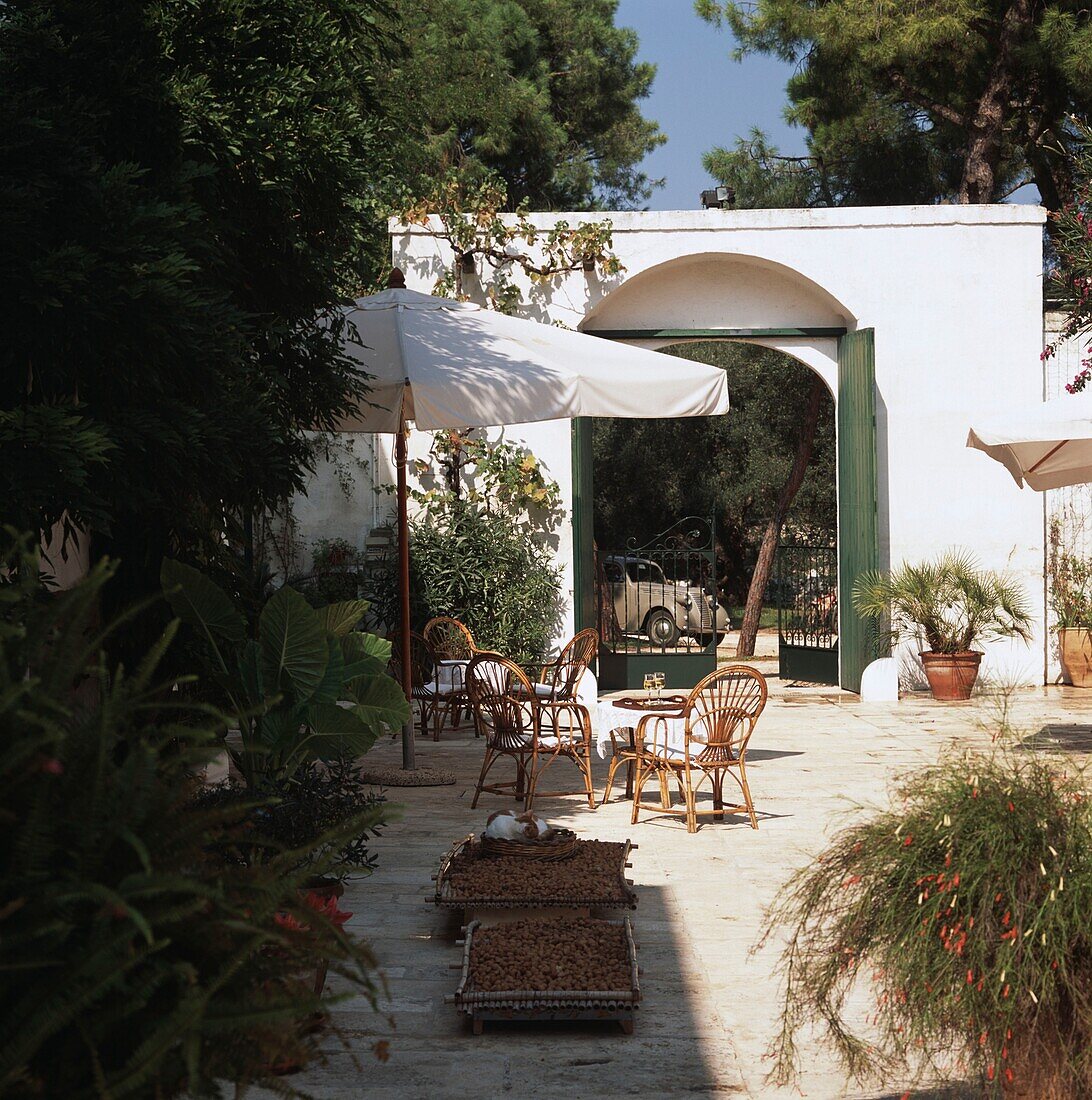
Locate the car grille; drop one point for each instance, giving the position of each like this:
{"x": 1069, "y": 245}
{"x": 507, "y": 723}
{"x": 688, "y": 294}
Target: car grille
{"x": 706, "y": 616}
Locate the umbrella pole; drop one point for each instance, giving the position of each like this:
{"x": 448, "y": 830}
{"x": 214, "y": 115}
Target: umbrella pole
{"x": 408, "y": 762}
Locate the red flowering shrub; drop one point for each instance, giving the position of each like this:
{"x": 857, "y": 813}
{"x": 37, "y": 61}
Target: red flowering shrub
{"x": 966, "y": 909}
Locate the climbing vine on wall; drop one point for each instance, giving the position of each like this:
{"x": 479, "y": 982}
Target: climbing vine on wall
{"x": 506, "y": 477}
{"x": 491, "y": 246}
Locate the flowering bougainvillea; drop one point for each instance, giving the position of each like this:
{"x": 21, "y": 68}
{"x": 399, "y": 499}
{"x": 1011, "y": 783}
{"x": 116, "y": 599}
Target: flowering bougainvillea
{"x": 1070, "y": 276}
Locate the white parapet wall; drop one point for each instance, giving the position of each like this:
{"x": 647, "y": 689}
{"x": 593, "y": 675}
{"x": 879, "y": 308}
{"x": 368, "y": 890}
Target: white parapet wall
{"x": 954, "y": 294}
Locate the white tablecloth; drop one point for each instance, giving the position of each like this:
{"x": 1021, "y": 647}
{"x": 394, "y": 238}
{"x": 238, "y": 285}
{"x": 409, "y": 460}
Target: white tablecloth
{"x": 587, "y": 693}
{"x": 450, "y": 676}
{"x": 669, "y": 733}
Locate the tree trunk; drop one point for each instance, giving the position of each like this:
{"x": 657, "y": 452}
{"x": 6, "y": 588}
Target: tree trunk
{"x": 987, "y": 123}
{"x": 1052, "y": 176}
{"x": 756, "y": 594}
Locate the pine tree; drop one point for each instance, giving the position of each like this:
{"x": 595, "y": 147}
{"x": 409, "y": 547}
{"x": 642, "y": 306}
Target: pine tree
{"x": 545, "y": 93}
{"x": 960, "y": 99}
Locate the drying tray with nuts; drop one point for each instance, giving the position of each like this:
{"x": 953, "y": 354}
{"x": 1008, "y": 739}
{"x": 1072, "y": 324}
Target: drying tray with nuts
{"x": 549, "y": 970}
{"x": 593, "y": 877}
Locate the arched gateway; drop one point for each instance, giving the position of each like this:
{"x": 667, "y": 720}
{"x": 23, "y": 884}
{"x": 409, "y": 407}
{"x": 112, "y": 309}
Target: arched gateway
{"x": 919, "y": 319}
{"x": 728, "y": 296}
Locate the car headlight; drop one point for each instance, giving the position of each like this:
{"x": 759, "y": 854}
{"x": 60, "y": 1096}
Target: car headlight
{"x": 687, "y": 601}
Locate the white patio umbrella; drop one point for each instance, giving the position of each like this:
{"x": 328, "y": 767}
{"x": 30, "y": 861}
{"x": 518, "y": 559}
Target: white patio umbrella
{"x": 446, "y": 364}
{"x": 1047, "y": 446}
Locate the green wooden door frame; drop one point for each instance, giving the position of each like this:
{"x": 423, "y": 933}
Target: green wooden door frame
{"x": 858, "y": 546}
{"x": 584, "y": 610}
{"x": 709, "y": 333}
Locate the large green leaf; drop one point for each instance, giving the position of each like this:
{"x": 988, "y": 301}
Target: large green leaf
{"x": 332, "y": 686}
{"x": 337, "y": 731}
{"x": 379, "y": 701}
{"x": 340, "y": 618}
{"x": 293, "y": 641}
{"x": 281, "y": 731}
{"x": 364, "y": 654}
{"x": 250, "y": 673}
{"x": 200, "y": 603}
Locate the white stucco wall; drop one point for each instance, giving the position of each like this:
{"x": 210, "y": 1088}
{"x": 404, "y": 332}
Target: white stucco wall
{"x": 953, "y": 292}
{"x": 337, "y": 504}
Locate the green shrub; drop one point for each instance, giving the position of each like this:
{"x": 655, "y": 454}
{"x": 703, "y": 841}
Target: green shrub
{"x": 336, "y": 572}
{"x": 283, "y": 676}
{"x": 133, "y": 961}
{"x": 306, "y": 814}
{"x": 489, "y": 571}
{"x": 967, "y": 906}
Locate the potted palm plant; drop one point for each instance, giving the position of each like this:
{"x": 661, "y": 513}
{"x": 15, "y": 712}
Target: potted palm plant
{"x": 1071, "y": 601}
{"x": 952, "y": 604}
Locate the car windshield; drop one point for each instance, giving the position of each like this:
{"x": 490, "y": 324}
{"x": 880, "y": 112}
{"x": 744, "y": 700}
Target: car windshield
{"x": 645, "y": 572}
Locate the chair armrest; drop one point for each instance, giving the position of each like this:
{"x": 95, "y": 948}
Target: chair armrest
{"x": 545, "y": 668}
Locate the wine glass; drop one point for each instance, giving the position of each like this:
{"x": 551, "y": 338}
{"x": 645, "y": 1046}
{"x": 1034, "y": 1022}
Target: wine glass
{"x": 650, "y": 684}
{"x": 660, "y": 680}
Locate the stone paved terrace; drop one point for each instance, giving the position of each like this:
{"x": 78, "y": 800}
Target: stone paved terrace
{"x": 709, "y": 1006}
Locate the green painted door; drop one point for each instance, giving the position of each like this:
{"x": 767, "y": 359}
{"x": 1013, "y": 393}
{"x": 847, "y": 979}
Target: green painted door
{"x": 857, "y": 534}
{"x": 583, "y": 525}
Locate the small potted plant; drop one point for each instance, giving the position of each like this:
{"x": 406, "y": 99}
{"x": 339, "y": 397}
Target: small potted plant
{"x": 1070, "y": 577}
{"x": 952, "y": 603}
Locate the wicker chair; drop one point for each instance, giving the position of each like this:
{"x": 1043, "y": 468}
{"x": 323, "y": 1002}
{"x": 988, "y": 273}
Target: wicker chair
{"x": 558, "y": 680}
{"x": 720, "y": 716}
{"x": 562, "y": 712}
{"x": 622, "y": 753}
{"x": 509, "y": 714}
{"x": 431, "y": 699}
{"x": 452, "y": 641}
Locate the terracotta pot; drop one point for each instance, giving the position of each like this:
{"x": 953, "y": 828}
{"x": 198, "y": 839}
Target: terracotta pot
{"x": 951, "y": 675}
{"x": 1075, "y": 644}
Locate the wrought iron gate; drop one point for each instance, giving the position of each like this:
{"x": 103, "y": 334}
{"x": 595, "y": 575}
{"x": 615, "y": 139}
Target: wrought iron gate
{"x": 805, "y": 589}
{"x": 659, "y": 609}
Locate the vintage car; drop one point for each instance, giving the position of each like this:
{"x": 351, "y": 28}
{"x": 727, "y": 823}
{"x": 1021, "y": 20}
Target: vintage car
{"x": 646, "y": 602}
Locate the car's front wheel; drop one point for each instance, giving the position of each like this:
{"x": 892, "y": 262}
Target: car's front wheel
{"x": 661, "y": 628}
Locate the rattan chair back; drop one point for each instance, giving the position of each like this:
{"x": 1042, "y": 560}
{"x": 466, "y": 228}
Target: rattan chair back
{"x": 722, "y": 711}
{"x": 503, "y": 701}
{"x": 450, "y": 639}
{"x": 566, "y": 671}
{"x": 422, "y": 661}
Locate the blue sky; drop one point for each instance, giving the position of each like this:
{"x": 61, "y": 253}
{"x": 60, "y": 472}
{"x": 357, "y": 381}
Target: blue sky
{"x": 701, "y": 97}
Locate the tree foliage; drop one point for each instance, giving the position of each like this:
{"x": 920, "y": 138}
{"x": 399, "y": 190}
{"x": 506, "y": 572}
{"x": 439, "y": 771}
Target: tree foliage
{"x": 731, "y": 467}
{"x": 185, "y": 187}
{"x": 545, "y": 93}
{"x": 966, "y": 99}
{"x": 493, "y": 574}
{"x": 481, "y": 550}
